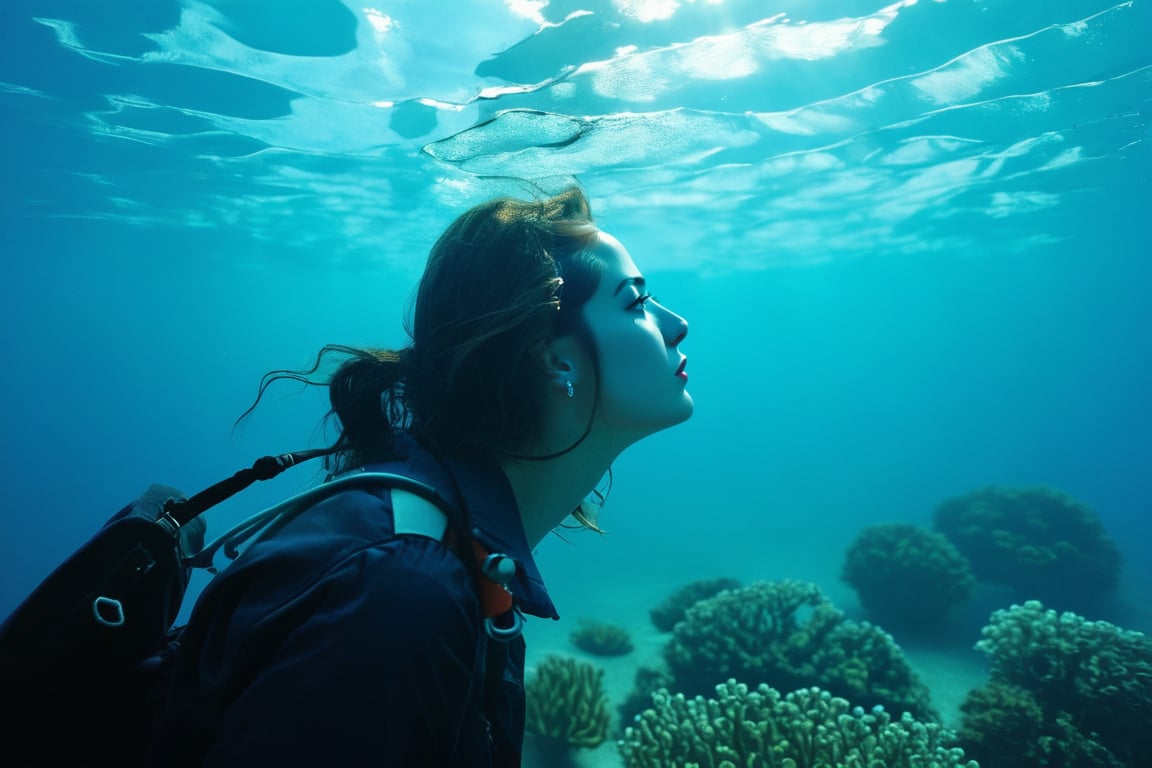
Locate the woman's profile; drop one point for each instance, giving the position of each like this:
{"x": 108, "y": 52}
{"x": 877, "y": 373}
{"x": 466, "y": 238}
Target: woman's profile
{"x": 536, "y": 357}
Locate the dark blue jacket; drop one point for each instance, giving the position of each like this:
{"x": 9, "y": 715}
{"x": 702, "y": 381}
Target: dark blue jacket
{"x": 335, "y": 642}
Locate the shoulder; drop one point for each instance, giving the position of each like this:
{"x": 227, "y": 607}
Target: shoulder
{"x": 423, "y": 589}
{"x": 342, "y": 549}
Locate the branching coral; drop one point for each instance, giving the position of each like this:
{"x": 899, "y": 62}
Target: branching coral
{"x": 1065, "y": 690}
{"x": 566, "y": 702}
{"x": 665, "y": 615}
{"x": 759, "y": 728}
{"x": 648, "y": 680}
{"x": 907, "y": 577}
{"x": 788, "y": 635}
{"x": 601, "y": 638}
{"x": 1037, "y": 540}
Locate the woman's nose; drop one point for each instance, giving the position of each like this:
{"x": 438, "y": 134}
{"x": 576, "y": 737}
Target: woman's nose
{"x": 676, "y": 328}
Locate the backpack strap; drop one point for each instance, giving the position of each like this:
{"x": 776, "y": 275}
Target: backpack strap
{"x": 269, "y": 521}
{"x": 179, "y": 511}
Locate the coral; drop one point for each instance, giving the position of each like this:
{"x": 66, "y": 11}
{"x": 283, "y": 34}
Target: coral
{"x": 907, "y": 577}
{"x": 1064, "y": 690}
{"x": 759, "y": 728}
{"x": 566, "y": 702}
{"x": 1037, "y": 540}
{"x": 648, "y": 680}
{"x": 1005, "y": 727}
{"x": 601, "y": 638}
{"x": 1004, "y": 720}
{"x": 665, "y": 615}
{"x": 788, "y": 635}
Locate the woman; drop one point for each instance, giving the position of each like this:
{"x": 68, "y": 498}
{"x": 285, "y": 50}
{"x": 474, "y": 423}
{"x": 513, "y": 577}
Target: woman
{"x": 537, "y": 356}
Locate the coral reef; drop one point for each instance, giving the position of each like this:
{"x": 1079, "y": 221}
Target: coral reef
{"x": 1036, "y": 540}
{"x": 1062, "y": 691}
{"x": 907, "y": 577}
{"x": 665, "y": 615}
{"x": 788, "y": 635}
{"x": 759, "y": 728}
{"x": 566, "y": 702}
{"x": 601, "y": 638}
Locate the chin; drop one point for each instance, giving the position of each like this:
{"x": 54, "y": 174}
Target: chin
{"x": 687, "y": 411}
{"x": 682, "y": 415}
{"x": 635, "y": 427}
{"x": 681, "y": 412}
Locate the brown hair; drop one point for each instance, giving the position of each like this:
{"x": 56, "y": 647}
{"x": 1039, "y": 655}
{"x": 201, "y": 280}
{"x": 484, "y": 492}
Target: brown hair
{"x": 502, "y": 276}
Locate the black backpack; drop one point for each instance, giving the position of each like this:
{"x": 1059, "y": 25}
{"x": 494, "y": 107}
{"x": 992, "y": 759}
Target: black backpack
{"x": 84, "y": 658}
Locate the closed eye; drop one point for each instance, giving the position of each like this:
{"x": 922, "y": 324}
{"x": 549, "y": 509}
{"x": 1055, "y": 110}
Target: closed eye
{"x": 640, "y": 300}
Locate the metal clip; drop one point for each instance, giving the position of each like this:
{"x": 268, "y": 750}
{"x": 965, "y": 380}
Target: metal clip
{"x": 504, "y": 634}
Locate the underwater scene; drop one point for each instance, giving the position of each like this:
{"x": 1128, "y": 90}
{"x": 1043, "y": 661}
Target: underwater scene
{"x": 910, "y": 521}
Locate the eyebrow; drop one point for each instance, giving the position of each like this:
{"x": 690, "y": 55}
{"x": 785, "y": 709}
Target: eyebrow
{"x": 639, "y": 282}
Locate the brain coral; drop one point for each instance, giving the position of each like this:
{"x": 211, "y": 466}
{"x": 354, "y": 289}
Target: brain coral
{"x": 601, "y": 638}
{"x": 1037, "y": 540}
{"x": 788, "y": 635}
{"x": 907, "y": 577}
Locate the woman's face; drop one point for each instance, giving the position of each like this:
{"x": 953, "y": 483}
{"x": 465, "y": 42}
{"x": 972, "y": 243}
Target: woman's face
{"x": 643, "y": 385}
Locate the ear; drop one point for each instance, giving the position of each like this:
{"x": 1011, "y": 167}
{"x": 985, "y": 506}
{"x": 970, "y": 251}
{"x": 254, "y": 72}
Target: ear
{"x": 557, "y": 359}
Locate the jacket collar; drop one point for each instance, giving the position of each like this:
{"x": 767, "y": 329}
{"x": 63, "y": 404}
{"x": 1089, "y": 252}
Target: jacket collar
{"x": 492, "y": 511}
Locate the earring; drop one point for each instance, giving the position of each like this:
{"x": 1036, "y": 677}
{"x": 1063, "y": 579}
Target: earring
{"x": 571, "y": 389}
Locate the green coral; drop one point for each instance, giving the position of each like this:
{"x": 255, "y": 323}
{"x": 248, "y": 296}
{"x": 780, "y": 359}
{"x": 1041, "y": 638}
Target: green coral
{"x": 1005, "y": 725}
{"x": 1063, "y": 690}
{"x": 907, "y": 577}
{"x": 668, "y": 613}
{"x": 1037, "y": 540}
{"x": 647, "y": 681}
{"x": 1003, "y": 719}
{"x": 759, "y": 728}
{"x": 601, "y": 638}
{"x": 566, "y": 703}
{"x": 788, "y": 635}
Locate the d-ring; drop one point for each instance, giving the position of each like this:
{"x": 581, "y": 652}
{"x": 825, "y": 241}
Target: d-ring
{"x": 504, "y": 634}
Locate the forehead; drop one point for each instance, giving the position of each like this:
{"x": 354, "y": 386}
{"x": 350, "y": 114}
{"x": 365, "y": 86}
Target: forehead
{"x": 616, "y": 263}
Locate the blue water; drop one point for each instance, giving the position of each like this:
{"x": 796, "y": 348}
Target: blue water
{"x": 911, "y": 241}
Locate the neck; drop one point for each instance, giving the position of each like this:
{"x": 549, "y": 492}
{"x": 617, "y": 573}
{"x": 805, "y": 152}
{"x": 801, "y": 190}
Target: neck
{"x": 548, "y": 491}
